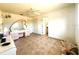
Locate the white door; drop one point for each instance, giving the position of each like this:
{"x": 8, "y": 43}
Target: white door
{"x": 40, "y": 27}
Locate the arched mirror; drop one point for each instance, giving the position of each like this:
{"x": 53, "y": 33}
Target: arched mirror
{"x": 18, "y": 25}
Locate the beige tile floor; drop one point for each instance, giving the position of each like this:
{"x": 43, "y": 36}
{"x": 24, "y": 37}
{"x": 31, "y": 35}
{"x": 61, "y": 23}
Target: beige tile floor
{"x": 39, "y": 45}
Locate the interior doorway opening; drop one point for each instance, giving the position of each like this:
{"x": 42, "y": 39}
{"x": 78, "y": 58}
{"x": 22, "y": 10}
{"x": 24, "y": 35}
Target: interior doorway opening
{"x": 47, "y": 30}
{"x": 46, "y": 26}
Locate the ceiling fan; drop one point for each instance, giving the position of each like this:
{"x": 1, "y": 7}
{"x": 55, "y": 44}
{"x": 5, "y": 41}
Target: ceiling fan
{"x": 30, "y": 13}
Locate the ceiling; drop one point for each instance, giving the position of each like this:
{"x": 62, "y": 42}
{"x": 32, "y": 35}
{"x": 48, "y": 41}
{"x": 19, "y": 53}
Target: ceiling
{"x": 20, "y": 7}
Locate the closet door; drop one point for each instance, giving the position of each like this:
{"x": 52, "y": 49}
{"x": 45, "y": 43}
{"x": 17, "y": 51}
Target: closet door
{"x": 40, "y": 26}
{"x": 35, "y": 24}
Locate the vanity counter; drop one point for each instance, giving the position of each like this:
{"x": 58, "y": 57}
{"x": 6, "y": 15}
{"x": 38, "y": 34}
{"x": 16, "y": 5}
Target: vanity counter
{"x": 9, "y": 49}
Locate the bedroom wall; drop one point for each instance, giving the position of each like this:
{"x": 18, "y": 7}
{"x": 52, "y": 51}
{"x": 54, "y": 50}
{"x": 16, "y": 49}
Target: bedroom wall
{"x": 0, "y": 21}
{"x": 61, "y": 23}
{"x": 77, "y": 25}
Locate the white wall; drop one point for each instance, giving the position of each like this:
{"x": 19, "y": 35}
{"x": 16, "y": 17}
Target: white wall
{"x": 77, "y": 25}
{"x": 61, "y": 23}
{"x": 0, "y": 21}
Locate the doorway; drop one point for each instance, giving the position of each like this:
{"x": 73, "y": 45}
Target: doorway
{"x": 46, "y": 26}
{"x": 47, "y": 30}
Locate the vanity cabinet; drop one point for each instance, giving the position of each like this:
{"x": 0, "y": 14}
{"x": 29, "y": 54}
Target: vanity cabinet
{"x": 9, "y": 49}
